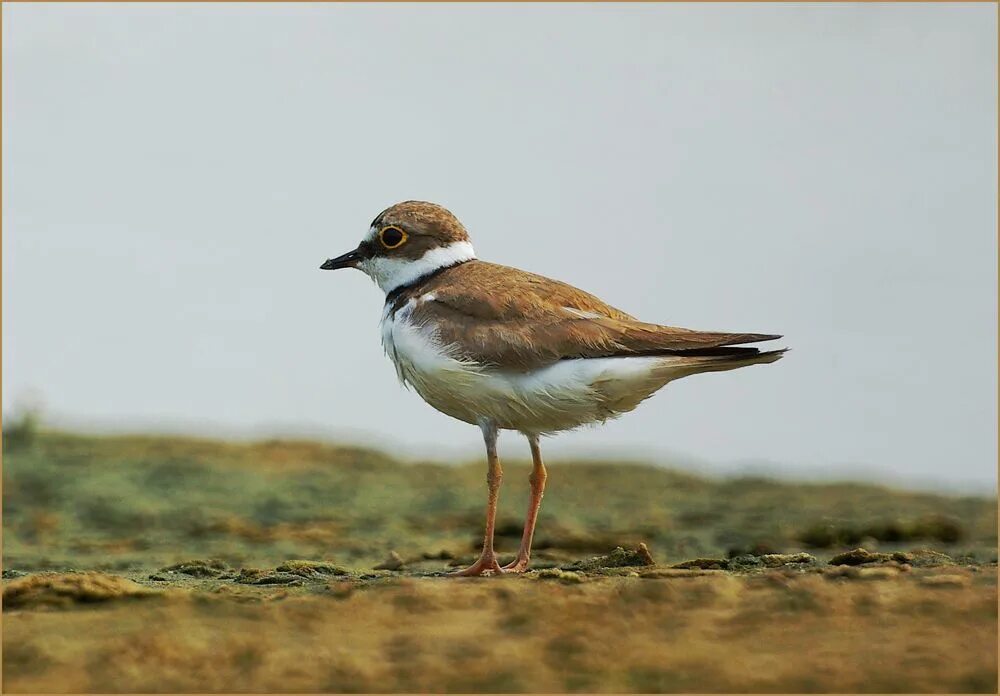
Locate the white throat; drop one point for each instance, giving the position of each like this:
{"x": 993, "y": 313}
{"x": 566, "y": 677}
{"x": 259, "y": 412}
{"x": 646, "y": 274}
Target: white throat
{"x": 390, "y": 274}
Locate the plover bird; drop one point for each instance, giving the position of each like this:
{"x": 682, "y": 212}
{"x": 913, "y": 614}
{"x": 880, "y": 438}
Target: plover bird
{"x": 502, "y": 348}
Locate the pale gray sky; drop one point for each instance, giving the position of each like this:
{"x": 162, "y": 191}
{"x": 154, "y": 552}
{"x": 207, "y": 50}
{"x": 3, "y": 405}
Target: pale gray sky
{"x": 175, "y": 174}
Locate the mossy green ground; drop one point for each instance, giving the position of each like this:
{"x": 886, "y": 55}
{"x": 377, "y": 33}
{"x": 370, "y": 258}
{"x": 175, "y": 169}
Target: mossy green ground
{"x": 249, "y": 567}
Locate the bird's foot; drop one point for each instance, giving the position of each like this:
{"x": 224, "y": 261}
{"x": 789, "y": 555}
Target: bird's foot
{"x": 518, "y": 565}
{"x": 486, "y": 565}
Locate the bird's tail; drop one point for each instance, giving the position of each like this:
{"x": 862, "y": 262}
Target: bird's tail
{"x": 722, "y": 359}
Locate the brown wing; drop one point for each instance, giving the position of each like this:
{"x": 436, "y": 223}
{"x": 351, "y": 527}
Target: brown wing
{"x": 519, "y": 320}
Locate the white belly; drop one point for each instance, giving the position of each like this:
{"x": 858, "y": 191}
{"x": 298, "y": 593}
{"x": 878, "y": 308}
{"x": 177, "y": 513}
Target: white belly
{"x": 561, "y": 396}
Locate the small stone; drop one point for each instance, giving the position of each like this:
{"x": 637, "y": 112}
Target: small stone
{"x": 566, "y": 576}
{"x": 392, "y": 562}
{"x": 249, "y": 574}
{"x": 703, "y": 564}
{"x": 745, "y": 562}
{"x": 859, "y": 557}
{"x": 198, "y": 569}
{"x": 776, "y": 560}
{"x": 277, "y": 579}
{"x": 308, "y": 569}
{"x": 643, "y": 554}
{"x": 618, "y": 558}
{"x": 256, "y": 576}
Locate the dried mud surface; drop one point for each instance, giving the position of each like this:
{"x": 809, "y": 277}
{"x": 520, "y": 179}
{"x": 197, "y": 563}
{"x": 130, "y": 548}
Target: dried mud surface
{"x": 171, "y": 565}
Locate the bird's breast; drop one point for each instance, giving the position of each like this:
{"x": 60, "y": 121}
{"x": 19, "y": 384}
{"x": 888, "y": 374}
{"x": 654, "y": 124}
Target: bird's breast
{"x": 421, "y": 360}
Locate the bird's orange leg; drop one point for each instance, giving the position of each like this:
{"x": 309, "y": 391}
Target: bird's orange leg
{"x": 487, "y": 563}
{"x": 538, "y": 476}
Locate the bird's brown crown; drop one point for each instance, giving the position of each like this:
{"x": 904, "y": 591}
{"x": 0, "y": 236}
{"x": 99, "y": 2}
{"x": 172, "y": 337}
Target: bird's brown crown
{"x": 429, "y": 221}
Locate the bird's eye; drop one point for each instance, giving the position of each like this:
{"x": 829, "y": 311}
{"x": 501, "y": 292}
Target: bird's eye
{"x": 391, "y": 237}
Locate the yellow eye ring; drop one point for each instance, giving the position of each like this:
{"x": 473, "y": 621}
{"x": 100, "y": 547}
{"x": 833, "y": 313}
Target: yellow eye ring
{"x": 392, "y": 237}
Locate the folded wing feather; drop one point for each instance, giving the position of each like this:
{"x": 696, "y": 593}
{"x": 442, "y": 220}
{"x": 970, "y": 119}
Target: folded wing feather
{"x": 522, "y": 321}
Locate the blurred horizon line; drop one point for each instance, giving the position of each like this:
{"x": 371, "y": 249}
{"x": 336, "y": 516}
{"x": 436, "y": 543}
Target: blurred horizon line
{"x": 466, "y": 453}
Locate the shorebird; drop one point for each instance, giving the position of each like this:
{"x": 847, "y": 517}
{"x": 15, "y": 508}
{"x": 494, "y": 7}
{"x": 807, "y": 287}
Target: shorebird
{"x": 502, "y": 348}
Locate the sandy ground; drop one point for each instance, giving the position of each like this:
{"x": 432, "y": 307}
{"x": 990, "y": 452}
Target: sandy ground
{"x": 156, "y": 565}
{"x": 872, "y": 629}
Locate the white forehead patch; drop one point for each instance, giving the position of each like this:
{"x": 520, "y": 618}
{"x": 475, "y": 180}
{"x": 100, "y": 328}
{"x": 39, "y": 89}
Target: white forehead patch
{"x": 392, "y": 273}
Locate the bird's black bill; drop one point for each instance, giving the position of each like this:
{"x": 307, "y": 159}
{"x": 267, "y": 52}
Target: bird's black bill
{"x": 348, "y": 260}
